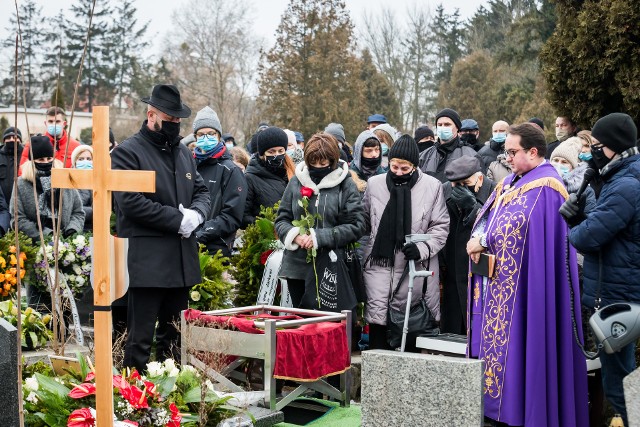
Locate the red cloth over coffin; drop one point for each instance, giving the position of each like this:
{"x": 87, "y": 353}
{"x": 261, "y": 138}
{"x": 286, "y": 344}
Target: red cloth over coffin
{"x": 305, "y": 353}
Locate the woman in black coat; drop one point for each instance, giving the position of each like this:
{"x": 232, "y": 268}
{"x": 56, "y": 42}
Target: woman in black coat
{"x": 268, "y": 172}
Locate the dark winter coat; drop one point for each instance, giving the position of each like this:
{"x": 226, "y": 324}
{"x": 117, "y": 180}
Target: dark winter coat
{"x": 228, "y": 191}
{"x": 434, "y": 160}
{"x": 339, "y": 204}
{"x": 456, "y": 261}
{"x": 72, "y": 217}
{"x": 263, "y": 189}
{"x": 158, "y": 255}
{"x": 86, "y": 197}
{"x": 6, "y": 170}
{"x": 610, "y": 237}
{"x": 489, "y": 153}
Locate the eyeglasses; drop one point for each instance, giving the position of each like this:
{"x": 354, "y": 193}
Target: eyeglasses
{"x": 512, "y": 153}
{"x": 210, "y": 133}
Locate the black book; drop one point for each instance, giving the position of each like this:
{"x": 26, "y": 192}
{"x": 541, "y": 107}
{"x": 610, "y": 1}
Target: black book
{"x": 485, "y": 265}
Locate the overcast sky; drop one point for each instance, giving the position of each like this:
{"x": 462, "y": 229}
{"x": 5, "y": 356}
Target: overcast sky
{"x": 267, "y": 12}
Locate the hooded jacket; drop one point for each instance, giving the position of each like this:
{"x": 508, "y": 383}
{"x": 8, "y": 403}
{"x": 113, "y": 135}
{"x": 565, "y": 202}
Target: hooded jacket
{"x": 341, "y": 222}
{"x": 356, "y": 165}
{"x": 610, "y": 237}
{"x": 263, "y": 189}
{"x": 429, "y": 215}
{"x": 228, "y": 190}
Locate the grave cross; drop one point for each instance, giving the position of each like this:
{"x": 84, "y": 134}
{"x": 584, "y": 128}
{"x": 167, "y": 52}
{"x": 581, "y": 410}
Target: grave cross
{"x": 102, "y": 180}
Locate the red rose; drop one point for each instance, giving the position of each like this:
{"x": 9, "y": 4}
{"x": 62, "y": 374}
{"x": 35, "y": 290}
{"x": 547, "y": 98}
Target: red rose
{"x": 264, "y": 256}
{"x": 306, "y": 192}
{"x": 81, "y": 418}
{"x": 82, "y": 390}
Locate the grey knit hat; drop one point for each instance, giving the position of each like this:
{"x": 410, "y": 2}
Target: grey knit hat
{"x": 207, "y": 118}
{"x": 336, "y": 130}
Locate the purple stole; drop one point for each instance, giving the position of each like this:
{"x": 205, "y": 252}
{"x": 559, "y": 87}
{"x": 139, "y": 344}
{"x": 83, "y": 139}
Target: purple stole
{"x": 520, "y": 322}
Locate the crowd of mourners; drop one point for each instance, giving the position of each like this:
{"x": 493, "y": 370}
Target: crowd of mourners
{"x": 557, "y": 237}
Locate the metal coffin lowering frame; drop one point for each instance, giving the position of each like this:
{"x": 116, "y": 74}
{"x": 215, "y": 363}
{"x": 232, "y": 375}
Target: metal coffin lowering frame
{"x": 204, "y": 338}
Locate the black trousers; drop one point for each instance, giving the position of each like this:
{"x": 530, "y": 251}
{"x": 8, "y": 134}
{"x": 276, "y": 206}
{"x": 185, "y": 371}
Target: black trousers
{"x": 378, "y": 339}
{"x": 146, "y": 306}
{"x": 296, "y": 291}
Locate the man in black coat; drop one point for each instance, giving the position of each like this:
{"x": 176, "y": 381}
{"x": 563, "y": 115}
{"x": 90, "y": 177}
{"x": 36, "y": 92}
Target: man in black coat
{"x": 224, "y": 180}
{"x": 163, "y": 251}
{"x": 465, "y": 192}
{"x": 11, "y": 142}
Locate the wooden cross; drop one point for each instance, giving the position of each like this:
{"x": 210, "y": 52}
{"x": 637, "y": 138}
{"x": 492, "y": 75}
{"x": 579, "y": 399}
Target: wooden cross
{"x": 102, "y": 180}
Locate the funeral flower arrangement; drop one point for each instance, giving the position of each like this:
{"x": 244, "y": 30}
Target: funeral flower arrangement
{"x": 164, "y": 397}
{"x": 74, "y": 263}
{"x": 10, "y": 260}
{"x": 35, "y": 331}
{"x": 214, "y": 292}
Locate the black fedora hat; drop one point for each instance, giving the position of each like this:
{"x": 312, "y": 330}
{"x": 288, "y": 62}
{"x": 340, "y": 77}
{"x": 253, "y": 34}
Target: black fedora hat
{"x": 166, "y": 98}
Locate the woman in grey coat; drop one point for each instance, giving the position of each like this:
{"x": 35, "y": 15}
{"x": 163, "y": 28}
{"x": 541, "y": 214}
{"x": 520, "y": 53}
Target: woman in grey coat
{"x": 335, "y": 198}
{"x": 72, "y": 216}
{"x": 402, "y": 201}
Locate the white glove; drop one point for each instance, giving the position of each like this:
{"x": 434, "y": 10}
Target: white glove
{"x": 190, "y": 221}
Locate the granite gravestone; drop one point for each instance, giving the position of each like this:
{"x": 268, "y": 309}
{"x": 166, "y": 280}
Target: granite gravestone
{"x": 421, "y": 390}
{"x": 631, "y": 385}
{"x": 9, "y": 374}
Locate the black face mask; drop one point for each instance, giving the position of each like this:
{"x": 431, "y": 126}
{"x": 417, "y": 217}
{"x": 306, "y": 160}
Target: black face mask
{"x": 469, "y": 138}
{"x": 599, "y": 159}
{"x": 317, "y": 174}
{"x": 44, "y": 168}
{"x": 401, "y": 179}
{"x": 171, "y": 130}
{"x": 424, "y": 145}
{"x": 371, "y": 164}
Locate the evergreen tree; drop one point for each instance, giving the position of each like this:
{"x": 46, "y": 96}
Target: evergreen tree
{"x": 311, "y": 76}
{"x": 32, "y": 42}
{"x": 378, "y": 91}
{"x": 447, "y": 41}
{"x": 590, "y": 63}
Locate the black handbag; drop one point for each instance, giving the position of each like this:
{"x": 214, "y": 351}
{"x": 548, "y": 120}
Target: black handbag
{"x": 355, "y": 273}
{"x": 421, "y": 321}
{"x": 333, "y": 290}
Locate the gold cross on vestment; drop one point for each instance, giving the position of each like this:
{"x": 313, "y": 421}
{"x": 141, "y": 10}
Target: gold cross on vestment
{"x": 103, "y": 180}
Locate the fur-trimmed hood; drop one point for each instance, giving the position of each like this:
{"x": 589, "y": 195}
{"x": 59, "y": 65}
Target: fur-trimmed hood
{"x": 333, "y": 179}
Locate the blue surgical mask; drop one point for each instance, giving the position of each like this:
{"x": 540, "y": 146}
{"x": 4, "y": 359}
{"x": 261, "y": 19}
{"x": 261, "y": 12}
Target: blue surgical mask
{"x": 585, "y": 157}
{"x": 229, "y": 145}
{"x": 206, "y": 142}
{"x": 500, "y": 137}
{"x": 290, "y": 153}
{"x": 562, "y": 170}
{"x": 444, "y": 133}
{"x": 54, "y": 130}
{"x": 84, "y": 164}
{"x": 385, "y": 148}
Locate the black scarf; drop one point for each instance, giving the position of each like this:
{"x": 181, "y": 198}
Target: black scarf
{"x": 394, "y": 224}
{"x": 157, "y": 138}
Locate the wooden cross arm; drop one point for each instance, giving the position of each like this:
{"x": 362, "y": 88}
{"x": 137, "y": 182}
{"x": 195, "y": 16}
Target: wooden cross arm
{"x": 115, "y": 180}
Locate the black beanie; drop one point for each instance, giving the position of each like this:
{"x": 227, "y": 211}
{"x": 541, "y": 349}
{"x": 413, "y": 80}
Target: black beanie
{"x": 12, "y": 132}
{"x": 422, "y": 132}
{"x": 452, "y": 114}
{"x": 41, "y": 146}
{"x": 405, "y": 148}
{"x": 616, "y": 131}
{"x": 271, "y": 137}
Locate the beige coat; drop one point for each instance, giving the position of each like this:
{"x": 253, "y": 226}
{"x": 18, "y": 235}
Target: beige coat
{"x": 429, "y": 214}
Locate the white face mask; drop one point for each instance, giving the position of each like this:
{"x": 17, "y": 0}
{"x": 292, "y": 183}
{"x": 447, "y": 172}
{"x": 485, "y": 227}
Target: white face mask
{"x": 561, "y": 134}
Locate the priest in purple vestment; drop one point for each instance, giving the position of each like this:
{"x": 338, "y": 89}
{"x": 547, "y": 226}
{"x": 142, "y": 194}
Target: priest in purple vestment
{"x": 520, "y": 318}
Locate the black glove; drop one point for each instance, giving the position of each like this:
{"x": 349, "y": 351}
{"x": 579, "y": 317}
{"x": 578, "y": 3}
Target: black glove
{"x": 411, "y": 251}
{"x": 572, "y": 210}
{"x": 463, "y": 198}
{"x": 68, "y": 232}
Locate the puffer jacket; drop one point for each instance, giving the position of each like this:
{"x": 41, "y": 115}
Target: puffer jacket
{"x": 263, "y": 189}
{"x": 498, "y": 169}
{"x": 429, "y": 216}
{"x": 610, "y": 237}
{"x": 434, "y": 160}
{"x": 342, "y": 222}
